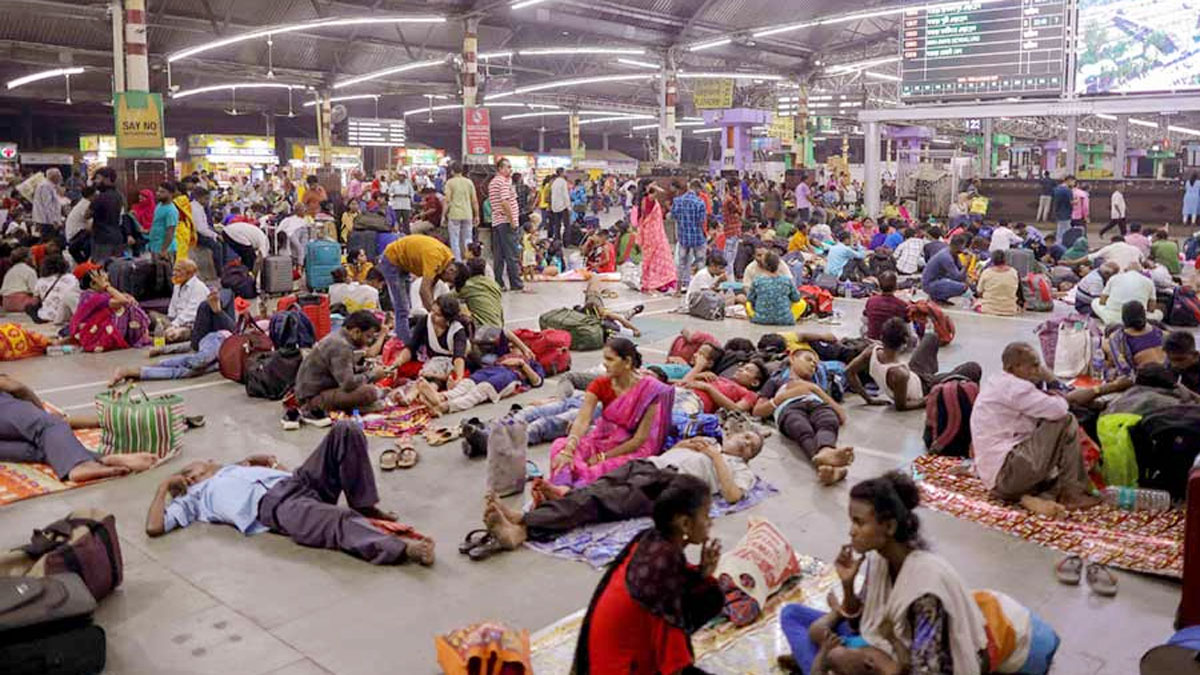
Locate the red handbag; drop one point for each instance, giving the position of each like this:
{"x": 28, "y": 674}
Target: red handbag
{"x": 235, "y": 351}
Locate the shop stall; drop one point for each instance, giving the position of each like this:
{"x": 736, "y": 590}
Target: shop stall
{"x": 9, "y": 154}
{"x": 228, "y": 157}
{"x": 96, "y": 149}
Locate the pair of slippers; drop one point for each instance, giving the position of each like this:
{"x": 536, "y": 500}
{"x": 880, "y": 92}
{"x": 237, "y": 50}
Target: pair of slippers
{"x": 402, "y": 457}
{"x": 1071, "y": 570}
{"x": 442, "y": 435}
{"x": 480, "y": 545}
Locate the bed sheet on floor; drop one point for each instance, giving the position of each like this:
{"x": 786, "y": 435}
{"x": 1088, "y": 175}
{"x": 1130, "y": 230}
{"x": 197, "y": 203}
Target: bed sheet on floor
{"x": 1140, "y": 541}
{"x": 580, "y": 275}
{"x": 600, "y": 543}
{"x": 720, "y": 646}
{"x": 392, "y": 421}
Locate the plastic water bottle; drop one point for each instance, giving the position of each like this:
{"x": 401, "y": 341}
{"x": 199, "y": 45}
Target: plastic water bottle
{"x": 356, "y": 417}
{"x": 160, "y": 337}
{"x": 1138, "y": 499}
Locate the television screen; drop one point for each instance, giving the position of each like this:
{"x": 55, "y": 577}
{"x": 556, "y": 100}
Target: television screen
{"x": 1136, "y": 46}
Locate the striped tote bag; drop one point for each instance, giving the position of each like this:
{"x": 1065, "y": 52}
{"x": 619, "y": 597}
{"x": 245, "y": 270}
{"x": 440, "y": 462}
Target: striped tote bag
{"x": 131, "y": 421}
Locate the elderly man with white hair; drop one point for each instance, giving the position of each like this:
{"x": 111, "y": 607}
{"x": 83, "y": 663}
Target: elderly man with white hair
{"x": 186, "y": 297}
{"x": 47, "y": 207}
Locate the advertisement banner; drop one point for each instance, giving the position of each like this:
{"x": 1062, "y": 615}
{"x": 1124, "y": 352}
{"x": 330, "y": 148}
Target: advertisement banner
{"x": 668, "y": 146}
{"x": 139, "y": 120}
{"x": 578, "y": 152}
{"x": 709, "y": 94}
{"x": 479, "y": 131}
{"x": 783, "y": 127}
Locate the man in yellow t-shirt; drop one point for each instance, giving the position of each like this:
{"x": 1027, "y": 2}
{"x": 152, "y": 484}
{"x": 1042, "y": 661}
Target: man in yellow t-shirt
{"x": 416, "y": 255}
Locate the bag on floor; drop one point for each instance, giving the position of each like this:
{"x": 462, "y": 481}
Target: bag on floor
{"x": 923, "y": 311}
{"x": 51, "y": 631}
{"x": 1037, "y": 292}
{"x": 1021, "y": 260}
{"x": 484, "y": 649}
{"x": 131, "y": 421}
{"x": 826, "y": 282}
{"x": 948, "y": 418}
{"x": 1018, "y": 641}
{"x": 1166, "y": 443}
{"x": 687, "y": 343}
{"x": 237, "y": 348}
{"x": 271, "y": 375}
{"x": 755, "y": 569}
{"x": 292, "y": 329}
{"x": 708, "y": 305}
{"x": 550, "y": 347}
{"x": 631, "y": 275}
{"x": 83, "y": 543}
{"x": 315, "y": 306}
{"x": 1184, "y": 308}
{"x": 587, "y": 331}
{"x": 1072, "y": 350}
{"x": 685, "y": 426}
{"x": 1188, "y": 613}
{"x": 818, "y": 299}
{"x": 507, "y": 446}
{"x": 371, "y": 222}
{"x": 276, "y": 275}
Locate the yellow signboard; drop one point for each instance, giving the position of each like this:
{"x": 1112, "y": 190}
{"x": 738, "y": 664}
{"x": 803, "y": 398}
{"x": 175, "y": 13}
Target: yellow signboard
{"x": 139, "y": 119}
{"x": 716, "y": 93}
{"x": 783, "y": 127}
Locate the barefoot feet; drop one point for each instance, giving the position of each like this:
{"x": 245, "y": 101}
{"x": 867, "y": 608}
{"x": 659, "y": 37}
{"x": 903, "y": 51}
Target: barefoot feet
{"x": 834, "y": 457}
{"x": 377, "y": 513}
{"x": 1043, "y": 507}
{"x": 134, "y": 461}
{"x": 831, "y": 475}
{"x": 86, "y": 471}
{"x": 421, "y": 551}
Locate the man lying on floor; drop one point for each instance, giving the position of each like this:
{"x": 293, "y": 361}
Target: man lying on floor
{"x": 626, "y": 492}
{"x": 28, "y": 433}
{"x": 257, "y": 495}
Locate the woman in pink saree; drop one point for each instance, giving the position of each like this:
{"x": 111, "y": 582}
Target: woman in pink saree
{"x": 106, "y": 319}
{"x": 658, "y": 263}
{"x": 632, "y": 425}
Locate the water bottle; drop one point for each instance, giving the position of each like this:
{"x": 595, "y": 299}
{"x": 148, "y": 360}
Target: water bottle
{"x": 1137, "y": 499}
{"x": 55, "y": 350}
{"x": 160, "y": 337}
{"x": 356, "y": 418}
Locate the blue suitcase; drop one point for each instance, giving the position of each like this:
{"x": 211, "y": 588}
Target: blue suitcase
{"x": 320, "y": 259}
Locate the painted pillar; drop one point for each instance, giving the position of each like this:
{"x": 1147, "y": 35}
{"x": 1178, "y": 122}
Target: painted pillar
{"x": 470, "y": 84}
{"x": 666, "y": 113}
{"x": 985, "y": 159}
{"x": 541, "y": 139}
{"x": 604, "y": 141}
{"x": 871, "y": 182}
{"x": 137, "y": 67}
{"x": 325, "y": 129}
{"x": 1122, "y": 144}
{"x": 118, "y": 33}
{"x": 1072, "y": 140}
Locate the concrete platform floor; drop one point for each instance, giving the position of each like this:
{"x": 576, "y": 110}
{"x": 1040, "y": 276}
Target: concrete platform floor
{"x": 208, "y": 600}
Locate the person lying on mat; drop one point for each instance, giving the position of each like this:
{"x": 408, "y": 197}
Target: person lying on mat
{"x": 328, "y": 379}
{"x": 625, "y": 492}
{"x": 258, "y": 495}
{"x": 735, "y": 393}
{"x": 903, "y": 385}
{"x": 1025, "y": 438}
{"x": 650, "y": 600}
{"x": 29, "y": 433}
{"x": 489, "y": 383}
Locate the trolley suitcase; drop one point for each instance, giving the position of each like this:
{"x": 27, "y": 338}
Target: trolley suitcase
{"x": 365, "y": 240}
{"x": 276, "y": 274}
{"x": 320, "y": 259}
{"x": 1189, "y": 606}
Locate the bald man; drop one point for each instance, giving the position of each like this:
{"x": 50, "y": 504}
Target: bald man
{"x": 188, "y": 294}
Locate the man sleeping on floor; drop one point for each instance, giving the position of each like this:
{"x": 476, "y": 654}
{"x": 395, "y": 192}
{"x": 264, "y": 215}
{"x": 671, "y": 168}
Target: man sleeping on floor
{"x": 258, "y": 495}
{"x": 626, "y": 492}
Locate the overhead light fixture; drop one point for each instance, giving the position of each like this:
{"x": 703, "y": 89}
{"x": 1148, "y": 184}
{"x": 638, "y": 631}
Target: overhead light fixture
{"x": 856, "y": 16}
{"x": 493, "y": 55}
{"x": 554, "y": 51}
{"x": 942, "y": 141}
{"x": 1184, "y": 130}
{"x": 339, "y": 99}
{"x": 622, "y": 118}
{"x": 639, "y": 64}
{"x": 548, "y": 113}
{"x": 388, "y": 71}
{"x": 44, "y": 75}
{"x": 235, "y": 86}
{"x": 882, "y": 76}
{"x": 643, "y": 127}
{"x": 570, "y": 83}
{"x": 709, "y": 45}
{"x": 860, "y": 65}
{"x": 294, "y": 27}
{"x": 522, "y": 4}
{"x": 458, "y": 106}
{"x": 713, "y": 76}
{"x": 1143, "y": 123}
{"x": 692, "y": 119}
{"x": 707, "y": 131}
{"x": 1103, "y": 116}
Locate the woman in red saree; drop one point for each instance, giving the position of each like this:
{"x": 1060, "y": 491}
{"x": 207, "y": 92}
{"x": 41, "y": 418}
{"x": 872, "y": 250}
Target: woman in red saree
{"x": 633, "y": 423}
{"x": 107, "y": 319}
{"x": 658, "y": 263}
{"x": 650, "y": 601}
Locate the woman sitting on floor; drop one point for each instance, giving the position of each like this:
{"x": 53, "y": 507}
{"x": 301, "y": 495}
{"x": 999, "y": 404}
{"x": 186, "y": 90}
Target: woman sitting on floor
{"x": 997, "y": 288}
{"x": 17, "y": 290}
{"x": 107, "y": 319}
{"x": 57, "y": 291}
{"x": 773, "y": 299}
{"x": 651, "y": 600}
{"x": 437, "y": 346}
{"x": 1135, "y": 343}
{"x": 633, "y": 425}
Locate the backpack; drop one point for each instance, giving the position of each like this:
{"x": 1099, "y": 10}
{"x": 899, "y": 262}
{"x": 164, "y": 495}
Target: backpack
{"x": 238, "y": 279}
{"x": 1191, "y": 248}
{"x": 685, "y": 426}
{"x": 856, "y": 289}
{"x": 819, "y": 299}
{"x": 948, "y": 418}
{"x": 1037, "y": 292}
{"x": 1184, "y": 308}
{"x": 685, "y": 347}
{"x": 291, "y": 329}
{"x": 1166, "y": 443}
{"x": 881, "y": 261}
{"x": 549, "y": 347}
{"x": 271, "y": 375}
{"x": 587, "y": 331}
{"x": 237, "y": 348}
{"x": 83, "y": 543}
{"x": 708, "y": 305}
{"x": 371, "y": 222}
{"x": 923, "y": 311}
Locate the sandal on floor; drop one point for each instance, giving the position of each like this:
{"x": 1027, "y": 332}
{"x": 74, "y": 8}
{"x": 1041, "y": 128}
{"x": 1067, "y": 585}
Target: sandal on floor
{"x": 532, "y": 472}
{"x": 473, "y": 539}
{"x": 609, "y": 294}
{"x": 194, "y": 422}
{"x": 388, "y": 459}
{"x": 1101, "y": 580}
{"x": 408, "y": 458}
{"x": 485, "y": 549}
{"x": 442, "y": 435}
{"x": 1069, "y": 570}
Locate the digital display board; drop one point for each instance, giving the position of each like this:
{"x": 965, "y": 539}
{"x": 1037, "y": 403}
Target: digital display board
{"x": 370, "y": 131}
{"x": 983, "y": 49}
{"x": 1137, "y": 46}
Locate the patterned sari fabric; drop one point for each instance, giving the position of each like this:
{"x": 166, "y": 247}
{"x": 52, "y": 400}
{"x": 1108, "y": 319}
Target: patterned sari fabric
{"x": 97, "y": 327}
{"x": 616, "y": 425}
{"x": 658, "y": 265}
{"x": 1140, "y": 541}
{"x": 18, "y": 343}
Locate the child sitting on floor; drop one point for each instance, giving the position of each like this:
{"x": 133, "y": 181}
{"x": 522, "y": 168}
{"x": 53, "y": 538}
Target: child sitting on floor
{"x": 488, "y": 383}
{"x": 530, "y": 251}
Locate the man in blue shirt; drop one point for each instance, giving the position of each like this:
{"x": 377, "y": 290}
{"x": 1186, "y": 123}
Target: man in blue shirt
{"x": 1061, "y": 206}
{"x": 257, "y": 495}
{"x": 943, "y": 278}
{"x": 1046, "y": 186}
{"x": 844, "y": 261}
{"x": 689, "y": 213}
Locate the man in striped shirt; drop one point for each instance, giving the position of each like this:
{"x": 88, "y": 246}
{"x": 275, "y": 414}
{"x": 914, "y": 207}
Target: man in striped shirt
{"x": 505, "y": 219}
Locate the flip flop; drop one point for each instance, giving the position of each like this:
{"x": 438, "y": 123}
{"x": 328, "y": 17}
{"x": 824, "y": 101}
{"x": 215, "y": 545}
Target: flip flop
{"x": 1069, "y": 570}
{"x": 473, "y": 539}
{"x": 408, "y": 458}
{"x": 388, "y": 459}
{"x": 442, "y": 435}
{"x": 532, "y": 472}
{"x": 486, "y": 548}
{"x": 194, "y": 422}
{"x": 1101, "y": 580}
{"x": 609, "y": 294}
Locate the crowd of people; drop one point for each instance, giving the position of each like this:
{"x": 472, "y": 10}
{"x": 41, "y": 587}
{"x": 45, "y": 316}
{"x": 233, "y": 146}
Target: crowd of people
{"x": 421, "y": 322}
